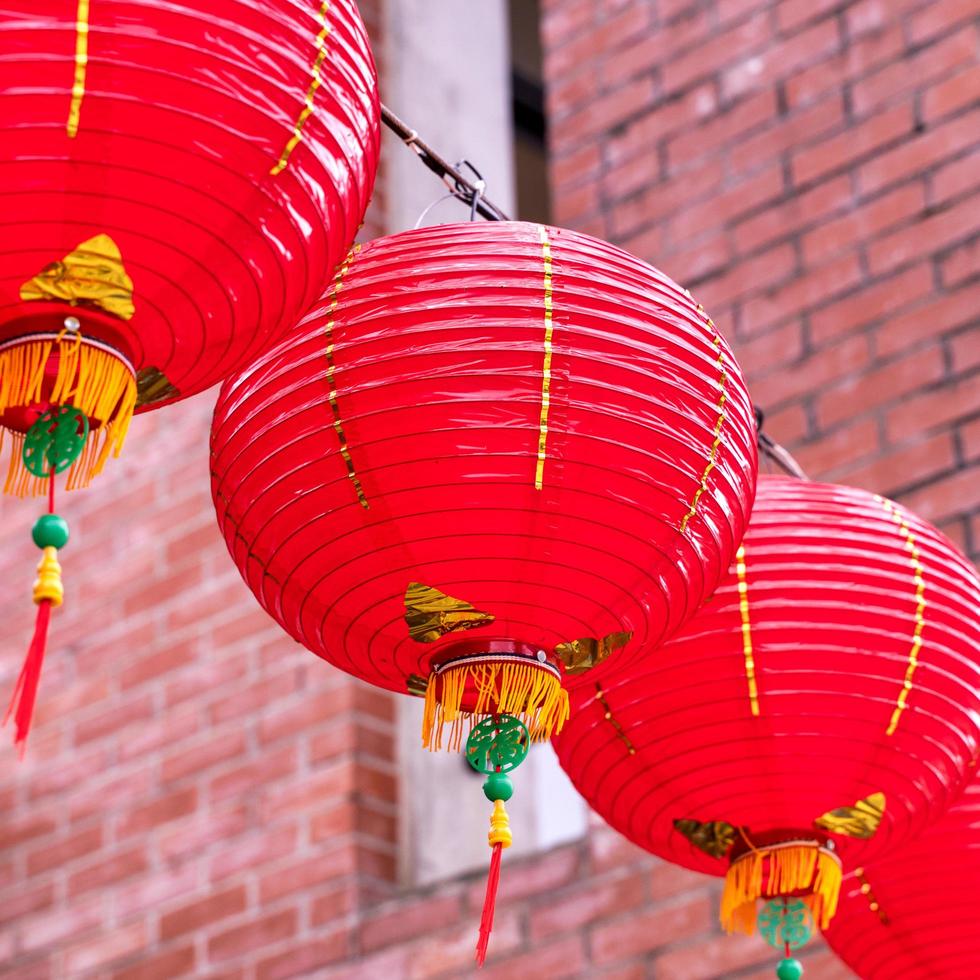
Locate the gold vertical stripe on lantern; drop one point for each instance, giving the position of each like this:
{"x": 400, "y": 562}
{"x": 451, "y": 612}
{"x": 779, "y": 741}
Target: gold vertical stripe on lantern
{"x": 338, "y": 424}
{"x": 546, "y": 370}
{"x": 920, "y": 608}
{"x": 716, "y": 444}
{"x": 743, "y": 606}
{"x": 315, "y": 81}
{"x": 81, "y": 66}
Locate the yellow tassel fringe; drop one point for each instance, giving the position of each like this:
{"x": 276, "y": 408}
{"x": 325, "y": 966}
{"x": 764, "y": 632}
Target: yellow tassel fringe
{"x": 89, "y": 379}
{"x": 531, "y": 693}
{"x": 783, "y": 869}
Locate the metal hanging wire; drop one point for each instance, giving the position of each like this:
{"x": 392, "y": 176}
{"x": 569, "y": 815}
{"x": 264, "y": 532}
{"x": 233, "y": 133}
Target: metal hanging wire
{"x": 469, "y": 190}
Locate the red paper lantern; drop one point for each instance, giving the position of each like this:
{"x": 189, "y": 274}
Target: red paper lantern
{"x": 818, "y": 711}
{"x": 913, "y": 915}
{"x": 494, "y": 453}
{"x": 178, "y": 182}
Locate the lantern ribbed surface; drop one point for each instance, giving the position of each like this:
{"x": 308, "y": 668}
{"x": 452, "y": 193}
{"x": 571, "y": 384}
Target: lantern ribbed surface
{"x": 529, "y": 423}
{"x": 835, "y": 669}
{"x": 217, "y": 153}
{"x": 914, "y": 915}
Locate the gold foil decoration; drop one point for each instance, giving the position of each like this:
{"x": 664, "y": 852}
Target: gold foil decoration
{"x": 92, "y": 275}
{"x": 432, "y": 614}
{"x": 716, "y": 444}
{"x": 416, "y": 685}
{"x": 81, "y": 67}
{"x": 153, "y": 386}
{"x": 714, "y": 837}
{"x": 859, "y": 821}
{"x": 600, "y": 696}
{"x": 315, "y": 81}
{"x": 918, "y": 578}
{"x": 578, "y": 656}
{"x": 549, "y": 329}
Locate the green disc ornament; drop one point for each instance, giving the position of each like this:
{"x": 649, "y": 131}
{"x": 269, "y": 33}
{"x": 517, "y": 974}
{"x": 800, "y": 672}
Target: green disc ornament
{"x": 55, "y": 440}
{"x": 785, "y": 923}
{"x": 498, "y": 744}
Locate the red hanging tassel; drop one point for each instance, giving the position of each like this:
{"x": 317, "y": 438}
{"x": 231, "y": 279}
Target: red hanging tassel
{"x": 50, "y": 533}
{"x": 498, "y": 838}
{"x": 489, "y": 905}
{"x": 25, "y": 693}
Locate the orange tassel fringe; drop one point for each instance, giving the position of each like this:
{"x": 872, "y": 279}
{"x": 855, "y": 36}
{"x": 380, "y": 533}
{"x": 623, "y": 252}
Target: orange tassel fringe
{"x": 88, "y": 378}
{"x": 531, "y": 693}
{"x": 782, "y": 869}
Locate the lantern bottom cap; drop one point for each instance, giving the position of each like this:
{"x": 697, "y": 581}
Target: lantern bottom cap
{"x": 466, "y": 687}
{"x": 807, "y": 869}
{"x": 50, "y": 368}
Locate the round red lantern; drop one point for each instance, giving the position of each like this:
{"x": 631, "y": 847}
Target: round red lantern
{"x": 491, "y": 457}
{"x": 179, "y": 181}
{"x": 494, "y": 453}
{"x": 819, "y": 710}
{"x": 912, "y": 914}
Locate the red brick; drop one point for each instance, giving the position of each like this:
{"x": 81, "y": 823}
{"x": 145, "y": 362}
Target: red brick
{"x": 964, "y": 350}
{"x": 951, "y": 95}
{"x": 930, "y": 410}
{"x": 407, "y": 921}
{"x": 908, "y": 465}
{"x": 254, "y": 935}
{"x": 864, "y": 391}
{"x": 718, "y": 957}
{"x": 925, "y": 237}
{"x": 922, "y": 323}
{"x": 562, "y": 958}
{"x": 112, "y": 717}
{"x": 97, "y": 954}
{"x": 607, "y": 897}
{"x": 645, "y": 931}
{"x": 22, "y": 901}
{"x": 193, "y": 761}
{"x": 792, "y": 215}
{"x": 203, "y": 912}
{"x": 744, "y": 116}
{"x": 898, "y": 79}
{"x": 857, "y": 142}
{"x": 811, "y": 290}
{"x": 64, "y": 850}
{"x": 304, "y": 959}
{"x": 871, "y": 303}
{"x": 160, "y": 811}
{"x": 108, "y": 870}
{"x": 861, "y": 56}
{"x": 310, "y": 873}
{"x": 254, "y": 851}
{"x": 173, "y": 963}
{"x": 830, "y": 452}
{"x": 962, "y": 263}
{"x": 942, "y": 500}
{"x": 922, "y": 153}
{"x": 707, "y": 59}
{"x": 782, "y": 59}
{"x": 270, "y": 767}
{"x": 938, "y": 17}
{"x": 787, "y": 133}
{"x": 865, "y": 222}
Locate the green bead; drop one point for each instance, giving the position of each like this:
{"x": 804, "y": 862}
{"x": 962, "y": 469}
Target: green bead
{"x": 789, "y": 969}
{"x": 50, "y": 531}
{"x": 498, "y": 787}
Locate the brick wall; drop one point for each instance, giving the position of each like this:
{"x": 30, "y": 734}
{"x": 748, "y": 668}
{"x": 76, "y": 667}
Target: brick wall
{"x": 203, "y": 798}
{"x": 808, "y": 168}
